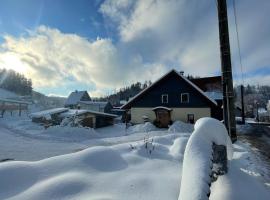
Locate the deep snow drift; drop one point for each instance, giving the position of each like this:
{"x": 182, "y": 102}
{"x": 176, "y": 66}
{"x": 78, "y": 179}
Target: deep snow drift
{"x": 125, "y": 171}
{"x": 138, "y": 163}
{"x": 197, "y": 157}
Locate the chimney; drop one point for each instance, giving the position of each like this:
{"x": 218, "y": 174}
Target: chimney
{"x": 182, "y": 73}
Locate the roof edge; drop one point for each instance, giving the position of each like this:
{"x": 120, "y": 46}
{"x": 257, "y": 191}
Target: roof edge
{"x": 153, "y": 84}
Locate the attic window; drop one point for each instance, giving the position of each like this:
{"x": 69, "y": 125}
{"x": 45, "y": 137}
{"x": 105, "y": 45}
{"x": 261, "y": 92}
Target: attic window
{"x": 164, "y": 98}
{"x": 184, "y": 97}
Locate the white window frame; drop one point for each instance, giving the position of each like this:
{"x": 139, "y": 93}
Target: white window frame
{"x": 164, "y": 95}
{"x": 182, "y": 97}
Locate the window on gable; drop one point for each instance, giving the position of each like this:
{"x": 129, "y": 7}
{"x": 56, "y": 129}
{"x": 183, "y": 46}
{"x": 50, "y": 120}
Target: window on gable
{"x": 164, "y": 98}
{"x": 184, "y": 97}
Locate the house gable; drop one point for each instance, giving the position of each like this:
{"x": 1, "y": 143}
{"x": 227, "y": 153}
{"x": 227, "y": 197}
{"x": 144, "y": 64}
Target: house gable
{"x": 75, "y": 97}
{"x": 173, "y": 85}
{"x": 85, "y": 97}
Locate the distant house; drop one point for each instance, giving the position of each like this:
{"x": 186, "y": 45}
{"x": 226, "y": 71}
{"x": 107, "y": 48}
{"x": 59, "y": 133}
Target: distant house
{"x": 172, "y": 97}
{"x": 99, "y": 106}
{"x": 50, "y": 116}
{"x": 209, "y": 84}
{"x": 10, "y": 101}
{"x": 87, "y": 118}
{"x": 82, "y": 100}
{"x": 212, "y": 87}
{"x": 75, "y": 97}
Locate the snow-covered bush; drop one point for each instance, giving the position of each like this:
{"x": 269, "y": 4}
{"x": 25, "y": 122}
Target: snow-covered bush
{"x": 147, "y": 145}
{"x": 181, "y": 127}
{"x": 73, "y": 121}
{"x": 198, "y": 157}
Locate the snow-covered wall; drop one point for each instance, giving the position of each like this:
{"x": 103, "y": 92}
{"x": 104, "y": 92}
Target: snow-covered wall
{"x": 198, "y": 156}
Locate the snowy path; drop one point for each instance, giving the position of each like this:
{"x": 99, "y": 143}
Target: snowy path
{"x": 259, "y": 146}
{"x": 243, "y": 180}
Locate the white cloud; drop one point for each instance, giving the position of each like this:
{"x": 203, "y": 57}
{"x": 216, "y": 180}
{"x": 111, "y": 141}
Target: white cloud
{"x": 177, "y": 34}
{"x": 184, "y": 33}
{"x": 153, "y": 36}
{"x": 52, "y": 58}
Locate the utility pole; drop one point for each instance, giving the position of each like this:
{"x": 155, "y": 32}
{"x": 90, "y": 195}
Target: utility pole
{"x": 226, "y": 68}
{"x": 242, "y": 105}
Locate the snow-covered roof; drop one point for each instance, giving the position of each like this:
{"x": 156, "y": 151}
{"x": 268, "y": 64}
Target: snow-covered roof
{"x": 7, "y": 94}
{"x": 183, "y": 77}
{"x": 117, "y": 109}
{"x": 96, "y": 103}
{"x": 14, "y": 101}
{"x": 214, "y": 95}
{"x": 262, "y": 110}
{"x": 123, "y": 102}
{"x": 101, "y": 113}
{"x": 72, "y": 112}
{"x": 75, "y": 97}
{"x": 162, "y": 107}
{"x": 45, "y": 113}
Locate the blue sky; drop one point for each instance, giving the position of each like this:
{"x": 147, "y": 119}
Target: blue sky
{"x": 73, "y": 16}
{"x": 102, "y": 45}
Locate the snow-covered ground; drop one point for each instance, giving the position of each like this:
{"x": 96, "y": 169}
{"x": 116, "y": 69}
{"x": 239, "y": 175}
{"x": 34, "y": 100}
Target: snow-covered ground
{"x": 243, "y": 180}
{"x": 142, "y": 162}
{"x": 23, "y": 140}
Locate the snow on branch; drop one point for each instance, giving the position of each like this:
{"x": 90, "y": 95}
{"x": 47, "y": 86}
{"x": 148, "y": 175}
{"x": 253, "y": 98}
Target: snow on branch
{"x": 198, "y": 170}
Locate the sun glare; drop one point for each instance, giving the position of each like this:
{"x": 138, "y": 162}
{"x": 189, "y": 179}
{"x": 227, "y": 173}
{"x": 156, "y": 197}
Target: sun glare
{"x": 11, "y": 61}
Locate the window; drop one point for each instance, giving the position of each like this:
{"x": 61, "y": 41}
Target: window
{"x": 184, "y": 97}
{"x": 190, "y": 118}
{"x": 164, "y": 98}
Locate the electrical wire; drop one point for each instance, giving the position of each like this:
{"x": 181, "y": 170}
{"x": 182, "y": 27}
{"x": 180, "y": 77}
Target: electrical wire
{"x": 238, "y": 40}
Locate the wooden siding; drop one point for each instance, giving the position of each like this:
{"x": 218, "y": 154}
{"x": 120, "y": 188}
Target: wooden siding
{"x": 173, "y": 86}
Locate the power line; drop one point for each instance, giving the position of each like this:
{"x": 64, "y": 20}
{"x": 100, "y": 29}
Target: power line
{"x": 238, "y": 40}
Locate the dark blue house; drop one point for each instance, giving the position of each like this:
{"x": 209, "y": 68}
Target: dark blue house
{"x": 172, "y": 97}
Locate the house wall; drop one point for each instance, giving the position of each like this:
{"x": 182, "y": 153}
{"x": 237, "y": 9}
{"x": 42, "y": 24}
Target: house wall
{"x": 94, "y": 107}
{"x": 176, "y": 114}
{"x": 173, "y": 86}
{"x": 97, "y": 107}
{"x": 104, "y": 121}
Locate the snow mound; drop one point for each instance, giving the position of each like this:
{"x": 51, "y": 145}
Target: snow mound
{"x": 197, "y": 158}
{"x": 102, "y": 172}
{"x": 71, "y": 133}
{"x": 146, "y": 127}
{"x": 105, "y": 159}
{"x": 181, "y": 127}
{"x": 178, "y": 147}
